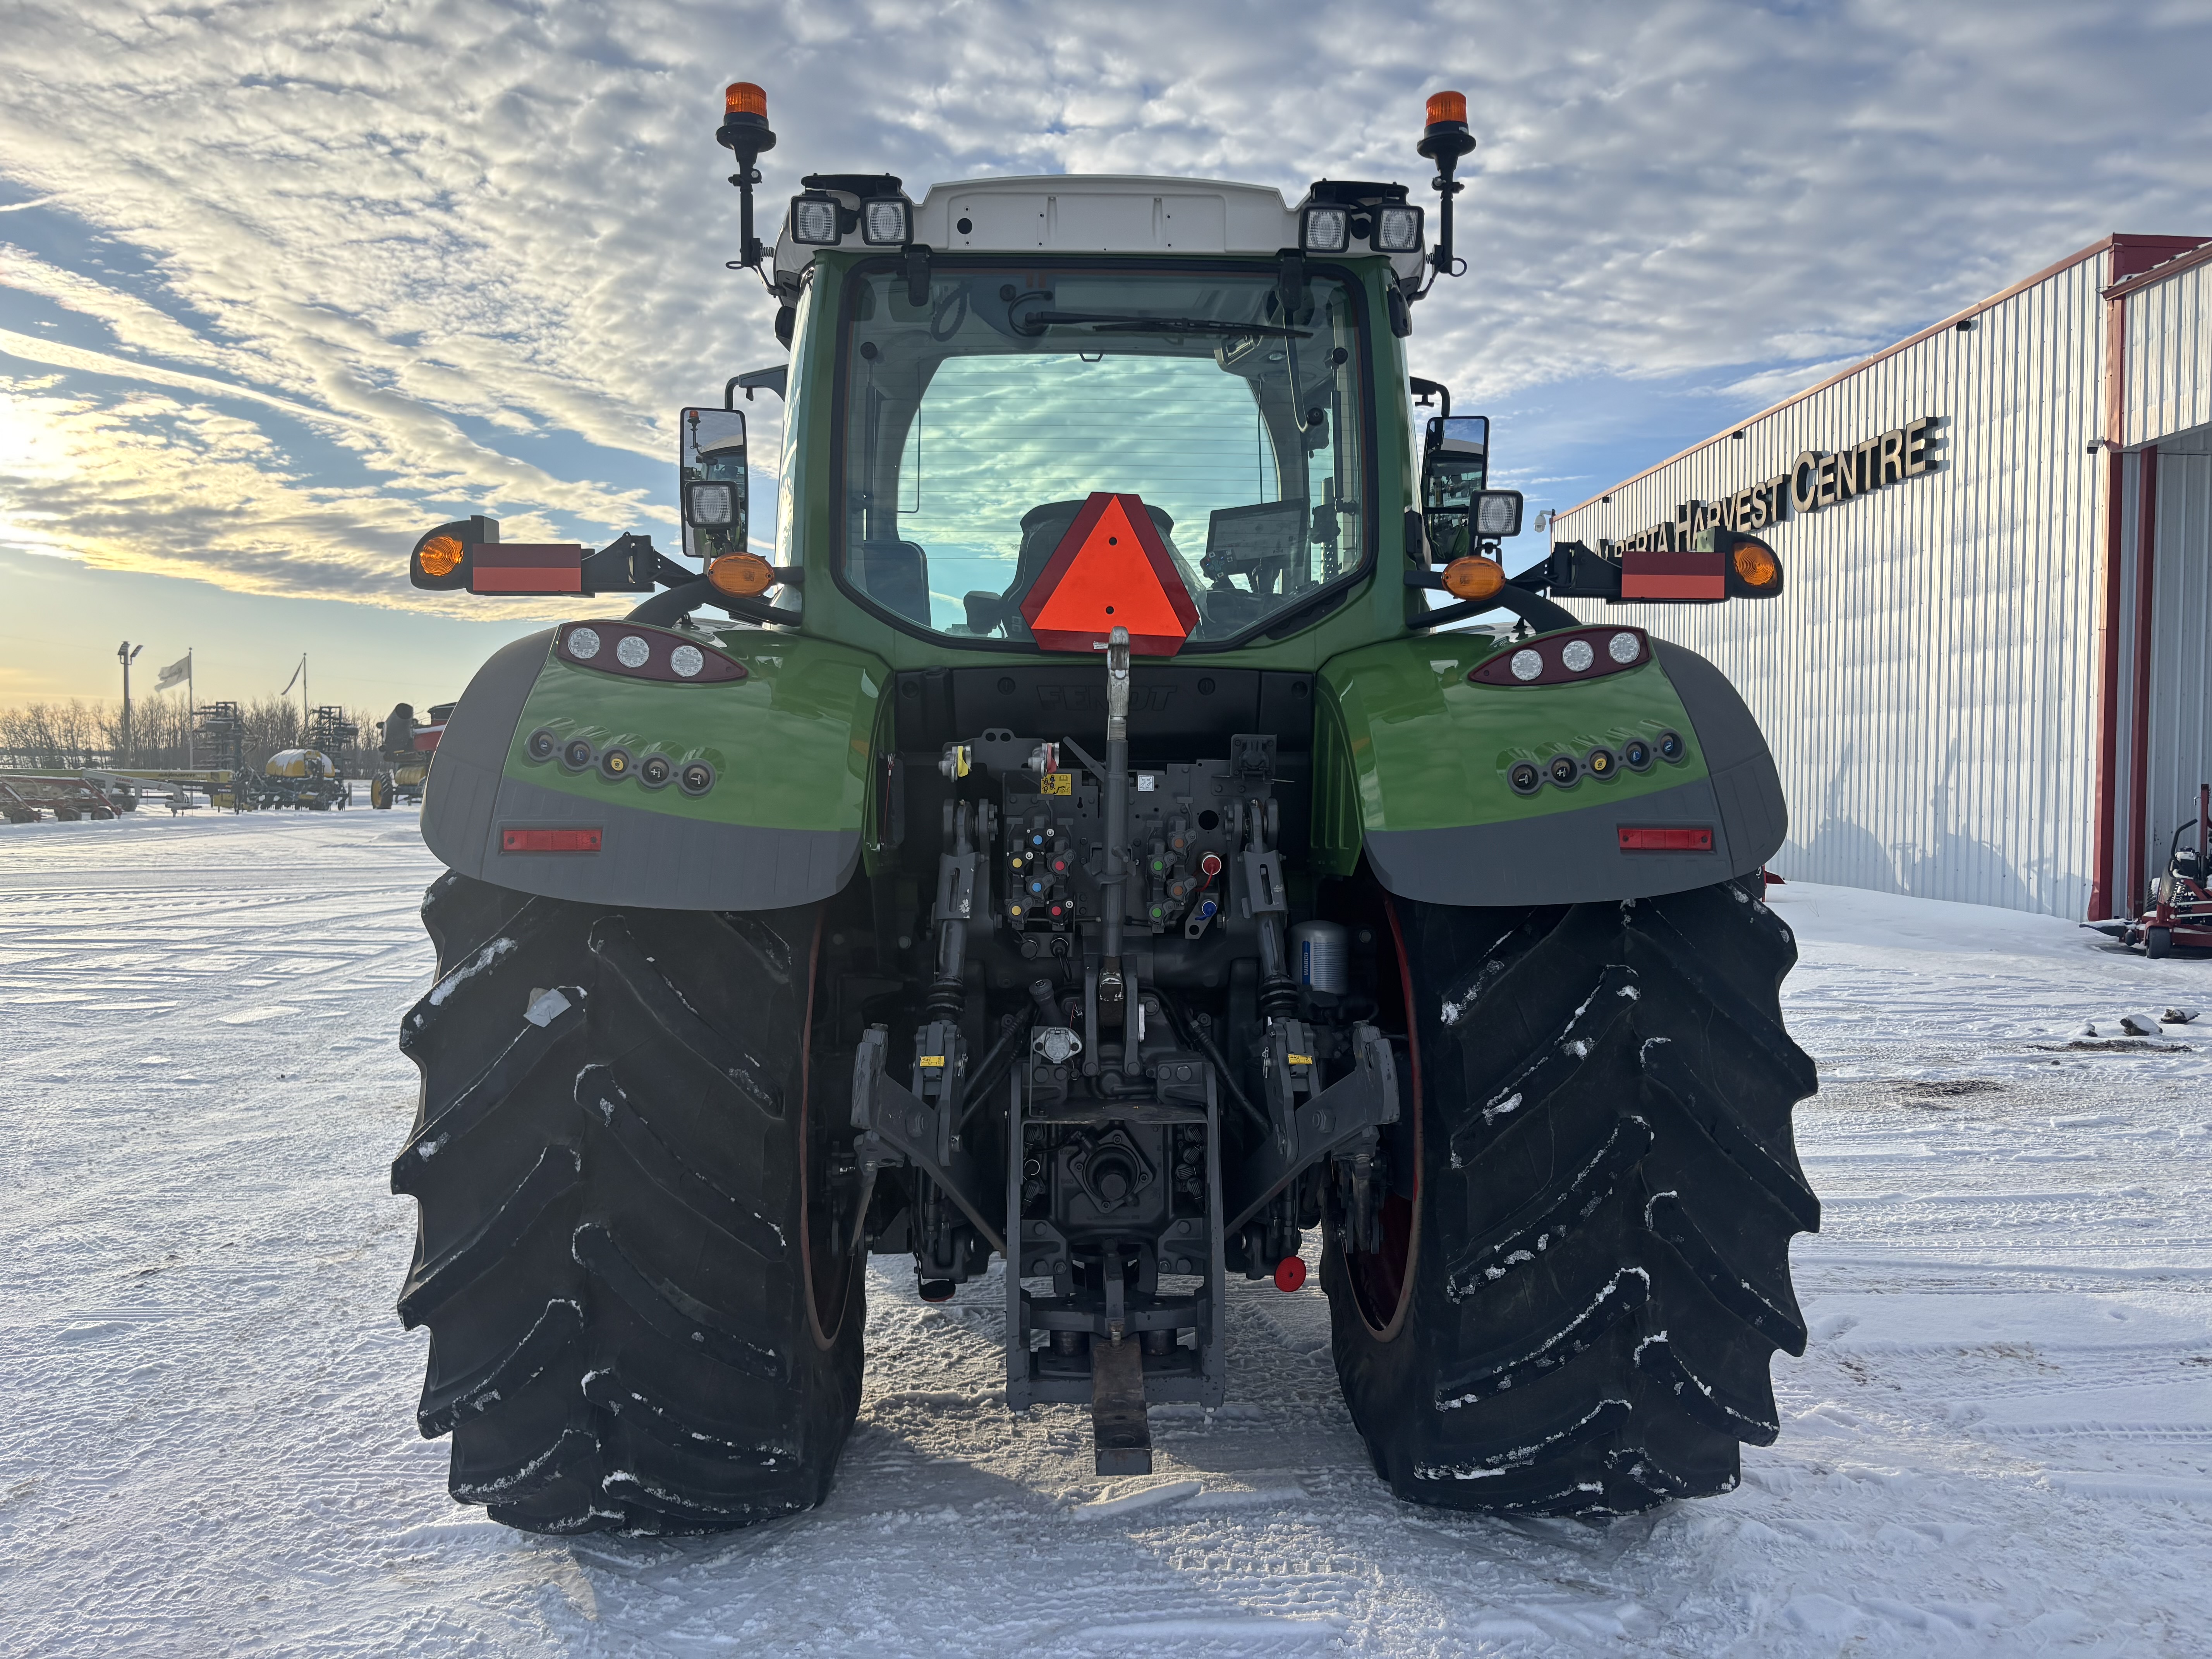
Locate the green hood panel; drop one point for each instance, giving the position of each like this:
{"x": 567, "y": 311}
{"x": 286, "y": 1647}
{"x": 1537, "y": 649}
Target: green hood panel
{"x": 1412, "y": 762}
{"x": 788, "y": 744}
{"x": 781, "y": 825}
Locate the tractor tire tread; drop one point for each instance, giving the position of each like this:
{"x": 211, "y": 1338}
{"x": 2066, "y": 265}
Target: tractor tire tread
{"x": 622, "y": 1332}
{"x": 1611, "y": 1187}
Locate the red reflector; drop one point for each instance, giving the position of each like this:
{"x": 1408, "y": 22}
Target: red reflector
{"x": 1653, "y": 574}
{"x": 549, "y": 840}
{"x": 525, "y": 567}
{"x": 1289, "y": 1273}
{"x": 1111, "y": 570}
{"x": 1669, "y": 838}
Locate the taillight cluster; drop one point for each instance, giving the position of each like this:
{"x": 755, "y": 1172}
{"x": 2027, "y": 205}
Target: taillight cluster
{"x": 1584, "y": 654}
{"x": 644, "y": 653}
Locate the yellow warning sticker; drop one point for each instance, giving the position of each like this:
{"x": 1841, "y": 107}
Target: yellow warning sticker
{"x": 1296, "y": 1059}
{"x": 933, "y": 1060}
{"x": 1056, "y": 783}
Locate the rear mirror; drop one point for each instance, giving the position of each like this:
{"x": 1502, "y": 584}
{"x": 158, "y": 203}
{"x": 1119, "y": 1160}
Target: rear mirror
{"x": 1461, "y": 515}
{"x": 1457, "y": 434}
{"x": 711, "y": 478}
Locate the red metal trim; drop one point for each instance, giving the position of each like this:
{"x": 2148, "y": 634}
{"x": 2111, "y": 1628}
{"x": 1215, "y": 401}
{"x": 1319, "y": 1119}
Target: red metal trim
{"x": 2125, "y": 282}
{"x": 2102, "y": 905}
{"x": 525, "y": 567}
{"x": 2139, "y": 746}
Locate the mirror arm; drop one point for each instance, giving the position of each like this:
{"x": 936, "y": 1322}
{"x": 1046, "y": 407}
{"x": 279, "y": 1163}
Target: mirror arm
{"x": 672, "y": 604}
{"x": 1423, "y": 390}
{"x": 1539, "y": 612}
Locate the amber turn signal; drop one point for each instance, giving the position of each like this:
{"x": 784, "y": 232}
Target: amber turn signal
{"x": 744, "y": 98}
{"x": 741, "y": 575}
{"x": 440, "y": 556}
{"x": 1474, "y": 578}
{"x": 1756, "y": 567}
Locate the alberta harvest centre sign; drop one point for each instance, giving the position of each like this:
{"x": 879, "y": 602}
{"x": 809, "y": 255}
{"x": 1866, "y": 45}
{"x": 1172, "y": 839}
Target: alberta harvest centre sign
{"x": 1816, "y": 480}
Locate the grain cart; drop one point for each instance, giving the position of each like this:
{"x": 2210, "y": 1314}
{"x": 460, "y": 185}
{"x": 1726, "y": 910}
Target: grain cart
{"x": 1088, "y": 842}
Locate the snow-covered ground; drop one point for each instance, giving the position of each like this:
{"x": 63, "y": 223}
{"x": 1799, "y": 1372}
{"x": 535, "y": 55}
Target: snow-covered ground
{"x": 2000, "y": 1440}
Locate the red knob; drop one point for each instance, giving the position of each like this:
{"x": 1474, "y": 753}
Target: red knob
{"x": 1211, "y": 864}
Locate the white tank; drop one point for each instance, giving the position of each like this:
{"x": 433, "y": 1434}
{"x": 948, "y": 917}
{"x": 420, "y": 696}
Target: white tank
{"x": 1318, "y": 953}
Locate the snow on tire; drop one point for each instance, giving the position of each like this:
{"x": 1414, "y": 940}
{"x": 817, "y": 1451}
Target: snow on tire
{"x": 1576, "y": 1304}
{"x": 640, "y": 1318}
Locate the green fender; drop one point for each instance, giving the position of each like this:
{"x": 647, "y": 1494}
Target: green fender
{"x": 782, "y": 824}
{"x": 1412, "y": 762}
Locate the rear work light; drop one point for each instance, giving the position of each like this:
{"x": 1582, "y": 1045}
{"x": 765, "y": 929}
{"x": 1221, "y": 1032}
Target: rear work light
{"x": 1326, "y": 229}
{"x": 814, "y": 221}
{"x": 1498, "y": 514}
{"x": 710, "y": 505}
{"x": 1397, "y": 229}
{"x": 1666, "y": 838}
{"x": 549, "y": 840}
{"x": 885, "y": 222}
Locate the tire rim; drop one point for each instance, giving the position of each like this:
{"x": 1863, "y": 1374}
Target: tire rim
{"x": 1381, "y": 1282}
{"x": 828, "y": 1277}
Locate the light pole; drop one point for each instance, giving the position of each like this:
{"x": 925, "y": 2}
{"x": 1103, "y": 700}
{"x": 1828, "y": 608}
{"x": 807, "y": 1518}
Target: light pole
{"x": 126, "y": 653}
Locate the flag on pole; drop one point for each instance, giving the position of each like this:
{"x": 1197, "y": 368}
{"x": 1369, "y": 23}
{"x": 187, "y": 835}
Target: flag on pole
{"x": 175, "y": 673}
{"x": 294, "y": 680}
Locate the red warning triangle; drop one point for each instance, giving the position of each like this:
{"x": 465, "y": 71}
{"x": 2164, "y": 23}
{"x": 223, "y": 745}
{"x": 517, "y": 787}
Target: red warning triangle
{"x": 1111, "y": 570}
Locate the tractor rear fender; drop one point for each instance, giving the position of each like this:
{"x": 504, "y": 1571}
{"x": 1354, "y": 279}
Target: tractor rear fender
{"x": 779, "y": 825}
{"x": 1413, "y": 765}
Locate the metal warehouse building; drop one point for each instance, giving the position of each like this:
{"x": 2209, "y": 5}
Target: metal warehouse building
{"x": 1986, "y": 679}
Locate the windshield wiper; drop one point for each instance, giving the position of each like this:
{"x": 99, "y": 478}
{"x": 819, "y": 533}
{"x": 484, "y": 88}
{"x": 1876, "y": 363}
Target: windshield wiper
{"x": 1108, "y": 322}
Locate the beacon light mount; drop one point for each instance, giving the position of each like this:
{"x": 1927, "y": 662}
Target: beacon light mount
{"x": 745, "y": 132}
{"x": 1444, "y": 140}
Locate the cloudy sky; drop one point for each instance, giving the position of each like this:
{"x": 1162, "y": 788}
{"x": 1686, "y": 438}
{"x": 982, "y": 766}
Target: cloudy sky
{"x": 283, "y": 281}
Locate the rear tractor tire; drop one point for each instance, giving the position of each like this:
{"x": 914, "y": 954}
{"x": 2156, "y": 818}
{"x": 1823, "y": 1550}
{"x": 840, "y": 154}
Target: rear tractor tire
{"x": 1573, "y": 1311}
{"x": 642, "y": 1317}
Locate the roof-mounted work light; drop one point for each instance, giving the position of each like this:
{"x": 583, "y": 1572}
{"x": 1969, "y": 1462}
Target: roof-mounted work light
{"x": 1397, "y": 229}
{"x": 886, "y": 221}
{"x": 814, "y": 220}
{"x": 745, "y": 131}
{"x": 1326, "y": 229}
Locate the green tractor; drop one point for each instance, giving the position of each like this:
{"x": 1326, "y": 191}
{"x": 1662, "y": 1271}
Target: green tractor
{"x": 1102, "y": 838}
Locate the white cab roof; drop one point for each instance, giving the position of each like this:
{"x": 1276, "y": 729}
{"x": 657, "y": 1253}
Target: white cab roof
{"x": 1098, "y": 213}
